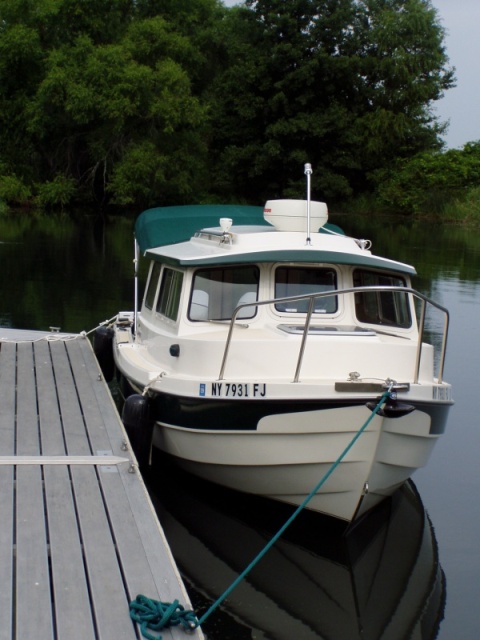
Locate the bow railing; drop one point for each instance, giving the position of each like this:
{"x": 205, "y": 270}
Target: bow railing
{"x": 420, "y": 314}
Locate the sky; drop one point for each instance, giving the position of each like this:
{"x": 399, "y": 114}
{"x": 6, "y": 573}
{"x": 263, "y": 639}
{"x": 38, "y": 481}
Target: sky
{"x": 461, "y": 105}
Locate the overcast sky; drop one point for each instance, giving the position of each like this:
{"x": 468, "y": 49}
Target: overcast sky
{"x": 461, "y": 105}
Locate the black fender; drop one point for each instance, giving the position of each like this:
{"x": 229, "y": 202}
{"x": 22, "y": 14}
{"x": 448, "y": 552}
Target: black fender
{"x": 137, "y": 418}
{"x": 103, "y": 350}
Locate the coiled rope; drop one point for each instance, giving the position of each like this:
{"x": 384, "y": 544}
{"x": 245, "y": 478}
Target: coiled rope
{"x": 157, "y": 614}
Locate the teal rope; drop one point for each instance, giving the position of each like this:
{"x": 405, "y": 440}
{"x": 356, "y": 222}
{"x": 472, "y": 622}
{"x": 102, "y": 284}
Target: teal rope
{"x": 270, "y": 544}
{"x": 154, "y": 615}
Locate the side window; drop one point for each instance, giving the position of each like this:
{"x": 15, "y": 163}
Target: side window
{"x": 152, "y": 284}
{"x": 170, "y": 292}
{"x": 381, "y": 307}
{"x": 217, "y": 292}
{"x": 297, "y": 281}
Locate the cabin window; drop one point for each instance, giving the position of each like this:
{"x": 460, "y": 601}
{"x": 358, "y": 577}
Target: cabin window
{"x": 297, "y": 281}
{"x": 381, "y": 307}
{"x": 152, "y": 284}
{"x": 170, "y": 291}
{"x": 218, "y": 291}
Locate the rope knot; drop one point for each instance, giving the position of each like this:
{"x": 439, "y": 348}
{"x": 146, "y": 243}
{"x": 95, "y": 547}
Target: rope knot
{"x": 155, "y": 616}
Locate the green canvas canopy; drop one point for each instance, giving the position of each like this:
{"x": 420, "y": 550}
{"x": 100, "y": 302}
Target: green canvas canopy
{"x": 169, "y": 225}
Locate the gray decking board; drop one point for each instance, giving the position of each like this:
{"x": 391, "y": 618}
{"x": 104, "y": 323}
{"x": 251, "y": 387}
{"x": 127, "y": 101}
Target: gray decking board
{"x": 32, "y": 594}
{"x": 7, "y": 445}
{"x": 86, "y": 539}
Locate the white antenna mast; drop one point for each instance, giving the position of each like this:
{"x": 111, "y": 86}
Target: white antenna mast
{"x": 308, "y": 173}
{"x": 135, "y": 302}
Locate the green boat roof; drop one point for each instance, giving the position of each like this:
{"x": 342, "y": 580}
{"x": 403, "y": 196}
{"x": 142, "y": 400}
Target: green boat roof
{"x": 169, "y": 225}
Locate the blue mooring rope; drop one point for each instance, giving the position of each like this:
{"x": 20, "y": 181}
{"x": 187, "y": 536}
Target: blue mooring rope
{"x": 154, "y": 615}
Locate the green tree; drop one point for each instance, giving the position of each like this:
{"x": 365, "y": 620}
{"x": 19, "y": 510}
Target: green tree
{"x": 346, "y": 85}
{"x": 428, "y": 182}
{"x": 102, "y": 99}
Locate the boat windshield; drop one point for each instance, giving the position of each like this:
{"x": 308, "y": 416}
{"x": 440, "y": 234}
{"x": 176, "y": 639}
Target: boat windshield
{"x": 217, "y": 292}
{"x": 297, "y": 281}
{"x": 381, "y": 307}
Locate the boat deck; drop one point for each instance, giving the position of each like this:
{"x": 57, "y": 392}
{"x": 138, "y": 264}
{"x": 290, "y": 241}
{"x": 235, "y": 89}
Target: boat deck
{"x": 79, "y": 538}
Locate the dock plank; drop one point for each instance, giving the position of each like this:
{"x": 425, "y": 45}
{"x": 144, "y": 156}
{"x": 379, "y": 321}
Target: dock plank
{"x": 69, "y": 581}
{"x": 107, "y": 592}
{"x": 7, "y": 446}
{"x": 108, "y": 597}
{"x": 85, "y": 539}
{"x": 33, "y": 608}
{"x": 71, "y": 595}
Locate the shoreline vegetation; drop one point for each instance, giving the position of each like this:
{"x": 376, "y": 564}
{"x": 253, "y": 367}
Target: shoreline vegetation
{"x": 458, "y": 212}
{"x": 115, "y": 106}
{"x": 440, "y": 186}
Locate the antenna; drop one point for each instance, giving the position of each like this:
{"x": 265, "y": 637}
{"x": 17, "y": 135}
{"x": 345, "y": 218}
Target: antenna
{"x": 135, "y": 287}
{"x": 308, "y": 173}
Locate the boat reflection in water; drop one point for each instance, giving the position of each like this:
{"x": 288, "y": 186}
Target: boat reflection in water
{"x": 379, "y": 579}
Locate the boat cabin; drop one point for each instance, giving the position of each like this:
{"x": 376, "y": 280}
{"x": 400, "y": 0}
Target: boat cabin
{"x": 214, "y": 293}
{"x": 221, "y": 268}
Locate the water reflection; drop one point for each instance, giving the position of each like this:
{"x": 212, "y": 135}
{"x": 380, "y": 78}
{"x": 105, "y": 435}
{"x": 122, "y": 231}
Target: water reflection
{"x": 381, "y": 579}
{"x": 436, "y": 251}
{"x": 5, "y": 319}
{"x": 57, "y": 272}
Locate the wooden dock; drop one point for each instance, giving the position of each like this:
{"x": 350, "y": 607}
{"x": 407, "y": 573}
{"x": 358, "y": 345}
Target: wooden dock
{"x": 79, "y": 538}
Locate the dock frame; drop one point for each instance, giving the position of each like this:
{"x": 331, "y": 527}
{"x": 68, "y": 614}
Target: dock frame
{"x": 79, "y": 537}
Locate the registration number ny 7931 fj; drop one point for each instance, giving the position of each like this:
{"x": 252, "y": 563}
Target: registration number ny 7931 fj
{"x": 236, "y": 390}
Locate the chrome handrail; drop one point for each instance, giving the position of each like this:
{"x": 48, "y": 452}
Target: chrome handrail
{"x": 327, "y": 294}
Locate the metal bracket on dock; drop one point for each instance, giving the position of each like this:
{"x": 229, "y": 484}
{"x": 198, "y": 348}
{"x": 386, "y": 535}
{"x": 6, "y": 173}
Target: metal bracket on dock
{"x": 103, "y": 460}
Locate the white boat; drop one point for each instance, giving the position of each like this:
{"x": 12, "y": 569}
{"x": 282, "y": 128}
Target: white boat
{"x": 264, "y": 341}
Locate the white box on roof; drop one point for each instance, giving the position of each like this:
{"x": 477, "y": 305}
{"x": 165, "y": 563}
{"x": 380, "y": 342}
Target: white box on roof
{"x": 291, "y": 215}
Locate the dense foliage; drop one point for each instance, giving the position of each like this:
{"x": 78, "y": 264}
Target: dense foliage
{"x": 100, "y": 98}
{"x": 346, "y": 84}
{"x": 434, "y": 183}
{"x": 123, "y": 102}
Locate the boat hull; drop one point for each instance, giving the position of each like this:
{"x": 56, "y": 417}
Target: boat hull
{"x": 285, "y": 454}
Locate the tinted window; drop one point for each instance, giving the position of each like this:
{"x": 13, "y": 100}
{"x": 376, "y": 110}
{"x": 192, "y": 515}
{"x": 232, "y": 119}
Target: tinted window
{"x": 152, "y": 285}
{"x": 170, "y": 291}
{"x": 217, "y": 292}
{"x": 296, "y": 281}
{"x": 381, "y": 307}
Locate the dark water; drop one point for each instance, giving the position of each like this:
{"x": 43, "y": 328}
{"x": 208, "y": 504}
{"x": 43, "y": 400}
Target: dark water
{"x": 411, "y": 571}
